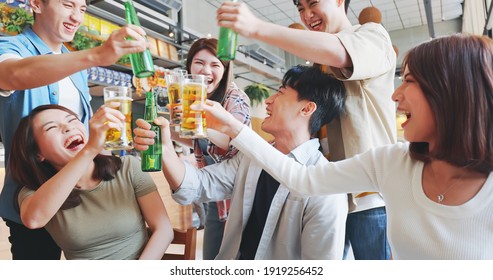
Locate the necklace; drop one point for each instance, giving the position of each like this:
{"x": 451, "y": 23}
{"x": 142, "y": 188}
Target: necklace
{"x": 441, "y": 196}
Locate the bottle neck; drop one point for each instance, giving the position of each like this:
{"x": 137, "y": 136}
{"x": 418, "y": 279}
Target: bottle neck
{"x": 130, "y": 13}
{"x": 150, "y": 111}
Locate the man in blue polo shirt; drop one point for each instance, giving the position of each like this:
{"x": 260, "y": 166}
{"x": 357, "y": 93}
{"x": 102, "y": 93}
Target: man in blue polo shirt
{"x": 37, "y": 69}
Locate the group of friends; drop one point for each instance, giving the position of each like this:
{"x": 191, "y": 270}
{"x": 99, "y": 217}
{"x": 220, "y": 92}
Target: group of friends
{"x": 333, "y": 178}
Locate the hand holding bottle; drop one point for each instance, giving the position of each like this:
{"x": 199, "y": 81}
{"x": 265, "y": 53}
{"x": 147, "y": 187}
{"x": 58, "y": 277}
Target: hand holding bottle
{"x": 238, "y": 17}
{"x": 144, "y": 136}
{"x": 117, "y": 45}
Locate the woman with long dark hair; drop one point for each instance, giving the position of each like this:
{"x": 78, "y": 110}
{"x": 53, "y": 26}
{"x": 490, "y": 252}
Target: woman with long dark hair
{"x": 94, "y": 206}
{"x": 202, "y": 59}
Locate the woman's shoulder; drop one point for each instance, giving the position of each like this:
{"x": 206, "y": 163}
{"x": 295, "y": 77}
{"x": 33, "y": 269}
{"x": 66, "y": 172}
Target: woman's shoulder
{"x": 234, "y": 91}
{"x": 236, "y": 96}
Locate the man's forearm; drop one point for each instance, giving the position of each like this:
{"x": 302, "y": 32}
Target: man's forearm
{"x": 42, "y": 70}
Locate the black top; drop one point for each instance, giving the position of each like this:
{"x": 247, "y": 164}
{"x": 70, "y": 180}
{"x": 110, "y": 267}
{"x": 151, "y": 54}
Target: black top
{"x": 266, "y": 189}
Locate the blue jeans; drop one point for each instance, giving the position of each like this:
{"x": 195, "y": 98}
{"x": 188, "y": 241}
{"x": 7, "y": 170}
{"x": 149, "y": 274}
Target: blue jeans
{"x": 366, "y": 231}
{"x": 213, "y": 232}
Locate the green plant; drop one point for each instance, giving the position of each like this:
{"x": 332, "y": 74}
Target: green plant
{"x": 257, "y": 93}
{"x": 83, "y": 41}
{"x": 15, "y": 20}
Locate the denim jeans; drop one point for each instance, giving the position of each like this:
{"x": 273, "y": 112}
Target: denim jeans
{"x": 213, "y": 232}
{"x": 366, "y": 231}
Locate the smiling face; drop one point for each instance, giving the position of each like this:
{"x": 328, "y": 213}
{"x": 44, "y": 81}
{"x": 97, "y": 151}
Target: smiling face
{"x": 283, "y": 110}
{"x": 59, "y": 136}
{"x": 320, "y": 15}
{"x": 420, "y": 125}
{"x": 207, "y": 64}
{"x": 57, "y": 20}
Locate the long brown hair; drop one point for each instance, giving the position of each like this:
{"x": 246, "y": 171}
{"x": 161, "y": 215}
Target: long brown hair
{"x": 28, "y": 170}
{"x": 455, "y": 74}
{"x": 210, "y": 44}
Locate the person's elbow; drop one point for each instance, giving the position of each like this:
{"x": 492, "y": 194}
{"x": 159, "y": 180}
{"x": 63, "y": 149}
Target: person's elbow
{"x": 32, "y": 221}
{"x": 12, "y": 79}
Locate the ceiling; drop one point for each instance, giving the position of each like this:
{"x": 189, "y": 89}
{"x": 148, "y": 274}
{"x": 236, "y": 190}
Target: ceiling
{"x": 396, "y": 14}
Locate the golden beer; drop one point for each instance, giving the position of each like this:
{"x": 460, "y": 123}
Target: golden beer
{"x": 193, "y": 124}
{"x": 174, "y": 102}
{"x": 120, "y": 139}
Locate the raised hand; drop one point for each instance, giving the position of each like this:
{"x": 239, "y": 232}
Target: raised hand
{"x": 238, "y": 17}
{"x": 145, "y": 137}
{"x": 219, "y": 119}
{"x": 118, "y": 44}
{"x": 104, "y": 119}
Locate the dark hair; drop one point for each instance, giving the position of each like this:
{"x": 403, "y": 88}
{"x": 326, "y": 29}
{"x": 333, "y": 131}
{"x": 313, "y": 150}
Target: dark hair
{"x": 27, "y": 169}
{"x": 210, "y": 44}
{"x": 328, "y": 93}
{"x": 346, "y": 4}
{"x": 455, "y": 74}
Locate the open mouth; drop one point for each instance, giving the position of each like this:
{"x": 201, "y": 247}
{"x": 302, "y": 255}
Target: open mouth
{"x": 70, "y": 27}
{"x": 209, "y": 81}
{"x": 315, "y": 24}
{"x": 73, "y": 142}
{"x": 404, "y": 116}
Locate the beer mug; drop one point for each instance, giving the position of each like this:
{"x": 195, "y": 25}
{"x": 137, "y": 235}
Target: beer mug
{"x": 193, "y": 124}
{"x": 120, "y": 139}
{"x": 174, "y": 86}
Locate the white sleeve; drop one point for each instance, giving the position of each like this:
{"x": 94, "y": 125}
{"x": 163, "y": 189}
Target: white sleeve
{"x": 3, "y": 57}
{"x": 356, "y": 174}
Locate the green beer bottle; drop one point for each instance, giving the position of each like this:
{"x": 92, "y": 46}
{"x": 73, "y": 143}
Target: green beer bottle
{"x": 151, "y": 158}
{"x": 226, "y": 46}
{"x": 142, "y": 65}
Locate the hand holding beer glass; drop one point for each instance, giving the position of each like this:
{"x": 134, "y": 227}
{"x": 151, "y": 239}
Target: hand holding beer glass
{"x": 119, "y": 139}
{"x": 193, "y": 124}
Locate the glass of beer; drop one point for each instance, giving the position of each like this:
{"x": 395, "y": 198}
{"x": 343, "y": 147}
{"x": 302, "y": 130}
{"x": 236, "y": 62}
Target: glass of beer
{"x": 175, "y": 87}
{"x": 193, "y": 123}
{"x": 120, "y": 139}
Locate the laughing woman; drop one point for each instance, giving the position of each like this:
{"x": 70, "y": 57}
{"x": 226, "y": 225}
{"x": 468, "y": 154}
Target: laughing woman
{"x": 94, "y": 206}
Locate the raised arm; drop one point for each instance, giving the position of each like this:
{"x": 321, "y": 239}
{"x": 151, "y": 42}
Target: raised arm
{"x": 173, "y": 167}
{"x": 320, "y": 47}
{"x": 38, "y": 208}
{"x": 352, "y": 175}
{"x": 212, "y": 183}
{"x": 41, "y": 70}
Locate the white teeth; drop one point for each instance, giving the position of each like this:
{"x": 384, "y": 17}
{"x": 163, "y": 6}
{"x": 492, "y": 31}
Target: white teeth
{"x": 69, "y": 26}
{"x": 404, "y": 113}
{"x": 313, "y": 24}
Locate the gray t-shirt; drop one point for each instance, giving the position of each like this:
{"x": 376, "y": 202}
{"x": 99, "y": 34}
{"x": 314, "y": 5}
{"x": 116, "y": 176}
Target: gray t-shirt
{"x": 108, "y": 224}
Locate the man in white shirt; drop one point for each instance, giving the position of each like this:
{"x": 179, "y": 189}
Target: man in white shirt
{"x": 363, "y": 58}
{"x": 267, "y": 221}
